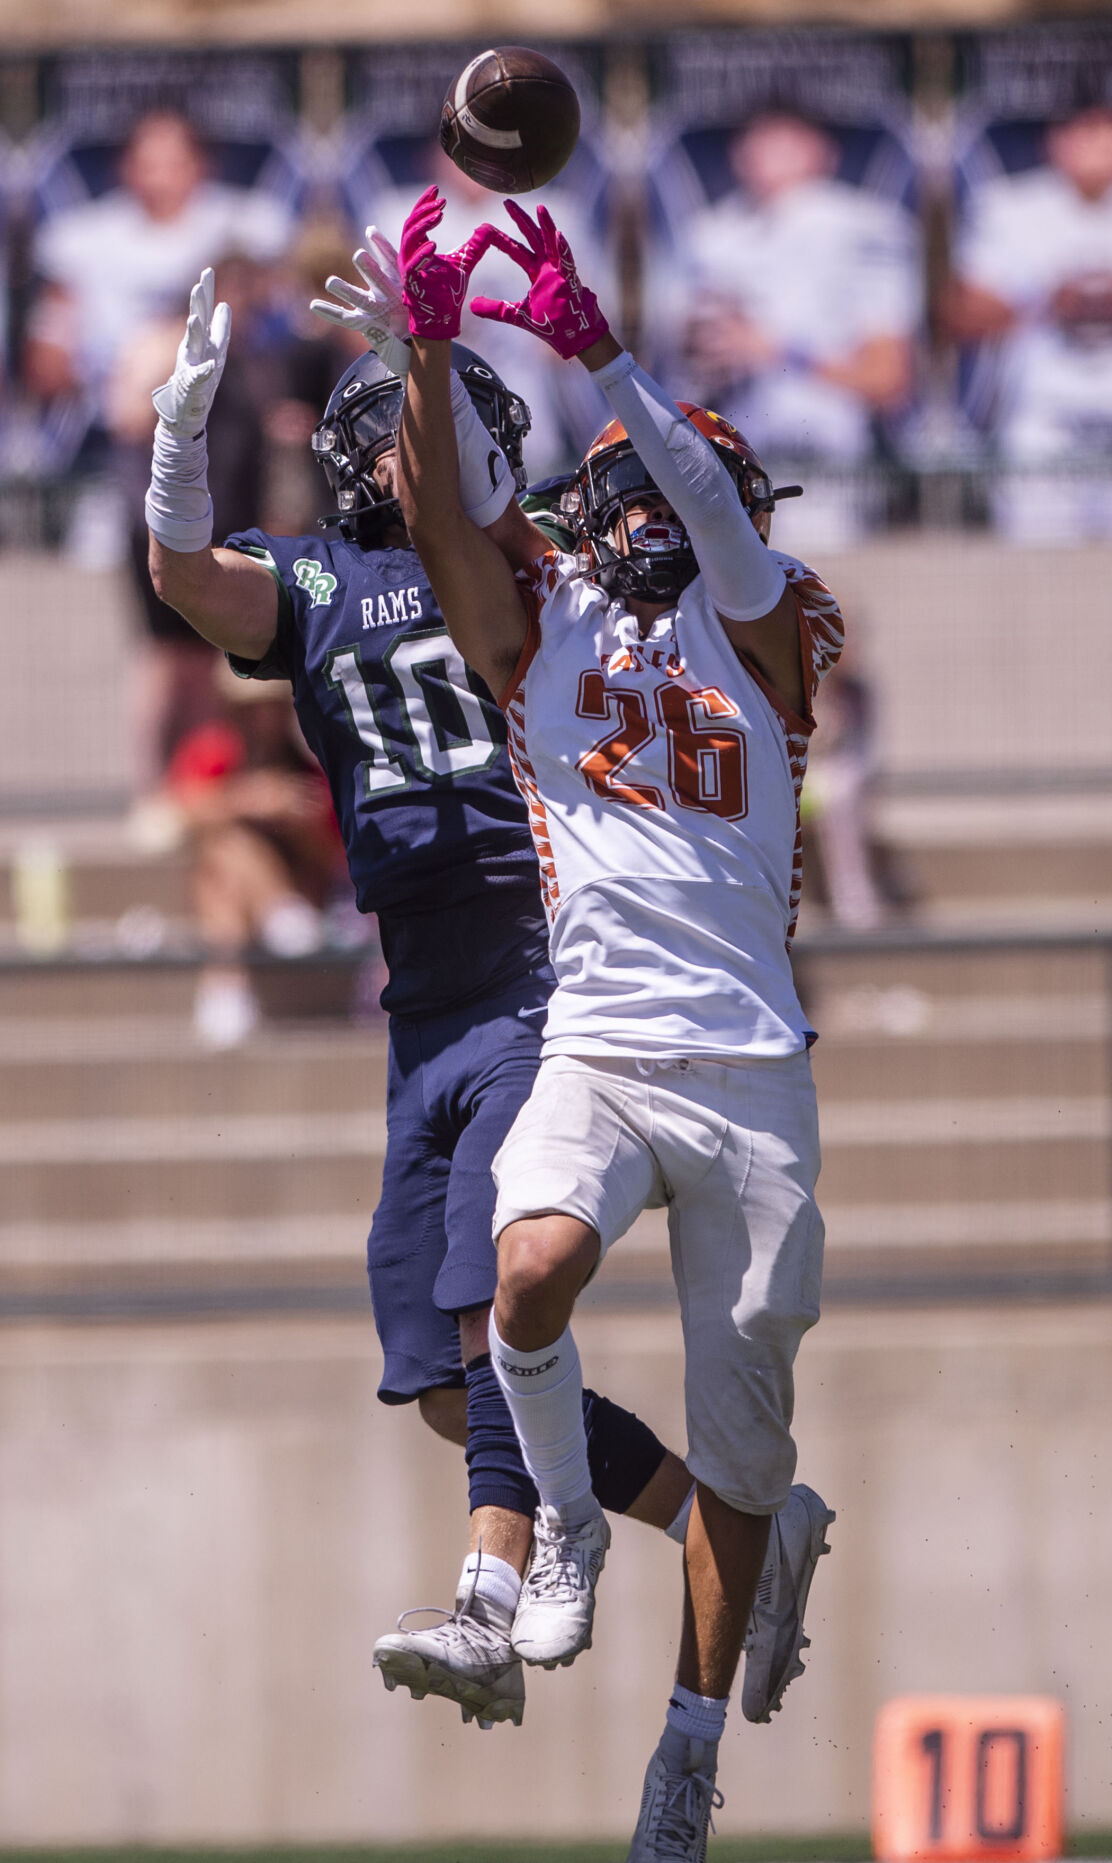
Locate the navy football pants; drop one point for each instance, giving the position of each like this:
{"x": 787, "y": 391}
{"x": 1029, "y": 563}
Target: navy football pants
{"x": 454, "y": 1087}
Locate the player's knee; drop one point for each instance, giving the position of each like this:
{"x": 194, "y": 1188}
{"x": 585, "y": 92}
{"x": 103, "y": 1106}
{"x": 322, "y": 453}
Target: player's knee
{"x": 542, "y": 1264}
{"x": 444, "y": 1409}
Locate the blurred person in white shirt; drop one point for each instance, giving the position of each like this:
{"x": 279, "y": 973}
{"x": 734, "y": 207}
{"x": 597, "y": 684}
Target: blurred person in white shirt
{"x": 1034, "y": 273}
{"x": 119, "y": 261}
{"x": 807, "y": 299}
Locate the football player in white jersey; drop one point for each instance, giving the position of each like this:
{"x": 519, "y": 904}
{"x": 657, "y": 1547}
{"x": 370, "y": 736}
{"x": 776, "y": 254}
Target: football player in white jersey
{"x": 658, "y": 691}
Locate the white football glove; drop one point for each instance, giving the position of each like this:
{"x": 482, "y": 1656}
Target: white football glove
{"x": 183, "y": 403}
{"x": 378, "y": 313}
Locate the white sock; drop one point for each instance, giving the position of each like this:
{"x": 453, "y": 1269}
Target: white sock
{"x": 544, "y": 1392}
{"x": 697, "y": 1717}
{"x": 498, "y": 1583}
{"x": 678, "y": 1529}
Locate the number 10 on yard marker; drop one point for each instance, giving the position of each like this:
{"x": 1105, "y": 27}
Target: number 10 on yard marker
{"x": 960, "y": 1777}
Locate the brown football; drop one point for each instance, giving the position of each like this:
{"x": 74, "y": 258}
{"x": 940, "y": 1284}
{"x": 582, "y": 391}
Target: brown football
{"x": 510, "y": 120}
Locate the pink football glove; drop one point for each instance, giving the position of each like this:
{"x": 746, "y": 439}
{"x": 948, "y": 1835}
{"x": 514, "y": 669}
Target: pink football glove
{"x": 557, "y": 306}
{"x": 434, "y": 284}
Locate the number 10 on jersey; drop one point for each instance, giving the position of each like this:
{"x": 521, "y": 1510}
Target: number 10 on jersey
{"x": 967, "y": 1777}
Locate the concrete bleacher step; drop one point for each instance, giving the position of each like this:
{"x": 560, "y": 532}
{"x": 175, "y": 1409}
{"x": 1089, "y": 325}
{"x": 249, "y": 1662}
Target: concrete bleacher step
{"x": 107, "y": 990}
{"x": 207, "y": 1166}
{"x": 963, "y": 1101}
{"x": 71, "y": 1068}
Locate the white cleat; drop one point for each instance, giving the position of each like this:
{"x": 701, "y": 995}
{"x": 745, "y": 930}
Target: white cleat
{"x": 677, "y": 1802}
{"x": 466, "y": 1659}
{"x": 774, "y": 1639}
{"x": 556, "y": 1609}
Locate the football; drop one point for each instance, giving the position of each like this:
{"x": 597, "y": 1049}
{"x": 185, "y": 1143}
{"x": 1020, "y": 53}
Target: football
{"x": 510, "y": 120}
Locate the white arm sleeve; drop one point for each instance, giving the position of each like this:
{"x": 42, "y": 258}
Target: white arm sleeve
{"x": 486, "y": 481}
{"x": 178, "y": 506}
{"x": 744, "y": 581}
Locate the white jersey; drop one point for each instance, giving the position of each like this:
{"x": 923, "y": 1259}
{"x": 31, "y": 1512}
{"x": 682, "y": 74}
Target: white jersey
{"x": 662, "y": 778}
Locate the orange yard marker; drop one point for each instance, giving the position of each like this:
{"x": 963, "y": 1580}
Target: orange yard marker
{"x": 966, "y": 1777}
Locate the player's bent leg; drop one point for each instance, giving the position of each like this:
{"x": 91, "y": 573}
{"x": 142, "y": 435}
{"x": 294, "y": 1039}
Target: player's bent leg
{"x": 575, "y": 1169}
{"x": 467, "y": 1657}
{"x": 543, "y": 1264}
{"x": 444, "y": 1409}
{"x": 763, "y": 1250}
{"x": 546, "y": 1262}
{"x": 723, "y": 1557}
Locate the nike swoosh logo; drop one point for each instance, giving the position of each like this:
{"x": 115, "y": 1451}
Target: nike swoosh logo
{"x": 541, "y": 1011}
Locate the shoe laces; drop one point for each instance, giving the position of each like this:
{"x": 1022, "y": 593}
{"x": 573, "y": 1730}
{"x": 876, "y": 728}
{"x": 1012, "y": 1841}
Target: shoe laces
{"x": 466, "y": 1633}
{"x": 559, "y": 1562}
{"x": 689, "y": 1799}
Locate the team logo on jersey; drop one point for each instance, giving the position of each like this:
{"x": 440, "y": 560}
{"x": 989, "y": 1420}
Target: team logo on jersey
{"x": 395, "y": 605}
{"x": 316, "y": 580}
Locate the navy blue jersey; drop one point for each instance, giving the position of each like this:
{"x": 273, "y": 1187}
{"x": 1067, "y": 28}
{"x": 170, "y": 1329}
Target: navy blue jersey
{"x": 414, "y": 749}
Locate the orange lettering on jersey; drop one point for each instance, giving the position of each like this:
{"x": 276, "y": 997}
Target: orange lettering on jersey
{"x": 639, "y": 659}
{"x": 600, "y": 765}
{"x": 706, "y": 762}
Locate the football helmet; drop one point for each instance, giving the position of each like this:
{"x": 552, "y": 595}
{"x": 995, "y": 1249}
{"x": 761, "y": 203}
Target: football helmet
{"x": 360, "y": 424}
{"x": 657, "y": 561}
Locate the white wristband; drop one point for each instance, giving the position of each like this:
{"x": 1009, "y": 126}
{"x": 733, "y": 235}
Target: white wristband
{"x": 486, "y": 482}
{"x": 743, "y": 579}
{"x": 178, "y": 505}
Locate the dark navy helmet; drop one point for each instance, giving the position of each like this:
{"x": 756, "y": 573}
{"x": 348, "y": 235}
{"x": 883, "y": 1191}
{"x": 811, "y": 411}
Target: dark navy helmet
{"x": 360, "y": 424}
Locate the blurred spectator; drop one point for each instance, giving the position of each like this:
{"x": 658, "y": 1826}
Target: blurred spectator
{"x": 175, "y": 668}
{"x": 804, "y": 301}
{"x": 257, "y": 816}
{"x": 111, "y": 264}
{"x": 567, "y": 410}
{"x": 1034, "y": 273}
{"x": 312, "y": 355}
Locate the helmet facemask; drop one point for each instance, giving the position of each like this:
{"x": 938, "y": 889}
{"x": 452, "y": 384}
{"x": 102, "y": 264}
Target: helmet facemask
{"x": 361, "y": 423}
{"x": 655, "y": 562}
{"x": 641, "y": 560}
{"x": 359, "y": 426}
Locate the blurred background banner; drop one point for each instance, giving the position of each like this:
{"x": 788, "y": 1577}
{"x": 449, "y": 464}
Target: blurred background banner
{"x": 885, "y": 250}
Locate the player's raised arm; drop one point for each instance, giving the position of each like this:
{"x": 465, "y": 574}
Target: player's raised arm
{"x": 228, "y": 598}
{"x": 471, "y": 577}
{"x": 745, "y": 583}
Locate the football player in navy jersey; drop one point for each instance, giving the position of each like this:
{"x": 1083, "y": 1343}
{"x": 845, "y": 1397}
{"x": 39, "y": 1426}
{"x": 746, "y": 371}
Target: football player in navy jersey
{"x": 438, "y": 845}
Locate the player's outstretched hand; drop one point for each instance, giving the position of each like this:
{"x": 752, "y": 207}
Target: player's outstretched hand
{"x": 434, "y": 284}
{"x": 183, "y": 402}
{"x": 376, "y": 313}
{"x": 557, "y": 306}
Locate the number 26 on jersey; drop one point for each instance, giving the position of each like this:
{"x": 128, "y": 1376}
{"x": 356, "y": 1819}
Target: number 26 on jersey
{"x": 706, "y": 759}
